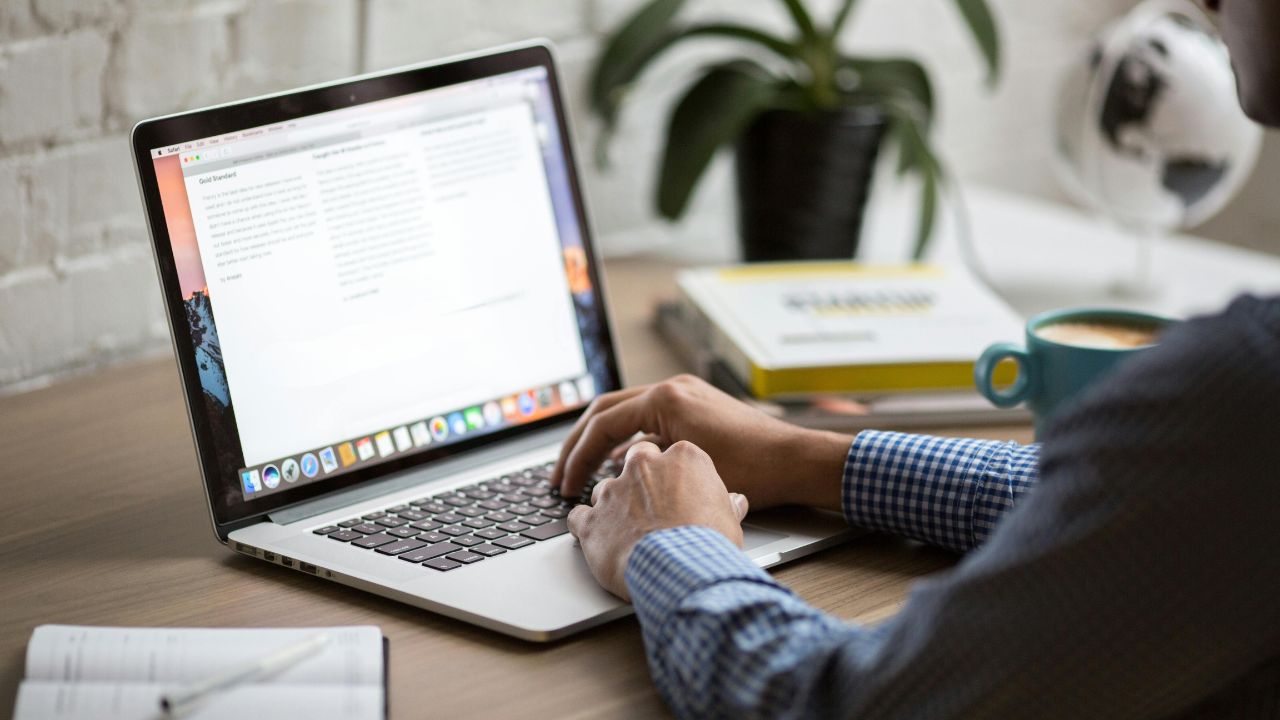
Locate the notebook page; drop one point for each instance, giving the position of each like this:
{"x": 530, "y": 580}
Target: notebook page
{"x": 76, "y": 654}
{"x": 106, "y": 701}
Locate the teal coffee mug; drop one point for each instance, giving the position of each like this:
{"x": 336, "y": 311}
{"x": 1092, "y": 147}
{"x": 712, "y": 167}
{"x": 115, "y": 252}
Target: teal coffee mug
{"x": 1066, "y": 351}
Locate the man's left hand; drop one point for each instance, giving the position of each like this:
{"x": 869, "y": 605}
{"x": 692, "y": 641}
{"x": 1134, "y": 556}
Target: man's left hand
{"x": 656, "y": 490}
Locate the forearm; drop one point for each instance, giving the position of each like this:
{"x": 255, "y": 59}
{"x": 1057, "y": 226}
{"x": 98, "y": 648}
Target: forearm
{"x": 812, "y": 467}
{"x": 724, "y": 640}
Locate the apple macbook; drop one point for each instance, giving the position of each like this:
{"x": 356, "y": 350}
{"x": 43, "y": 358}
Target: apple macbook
{"x": 387, "y": 313}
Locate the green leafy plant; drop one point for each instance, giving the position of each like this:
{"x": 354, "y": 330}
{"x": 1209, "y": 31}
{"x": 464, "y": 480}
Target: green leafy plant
{"x": 804, "y": 72}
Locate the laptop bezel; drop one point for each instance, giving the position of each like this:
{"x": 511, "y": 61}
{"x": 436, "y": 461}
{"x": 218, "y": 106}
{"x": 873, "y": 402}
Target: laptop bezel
{"x": 254, "y": 112}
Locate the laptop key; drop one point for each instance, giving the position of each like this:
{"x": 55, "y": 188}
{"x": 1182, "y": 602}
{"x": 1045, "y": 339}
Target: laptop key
{"x": 556, "y": 512}
{"x": 433, "y": 537}
{"x": 403, "y": 532}
{"x": 396, "y": 548}
{"x": 391, "y": 522}
{"x": 466, "y": 557}
{"x": 428, "y": 552}
{"x": 350, "y": 523}
{"x": 494, "y": 504}
{"x": 458, "y": 501}
{"x": 449, "y": 518}
{"x": 537, "y": 491}
{"x": 412, "y": 515}
{"x": 367, "y": 528}
{"x": 374, "y": 515}
{"x": 326, "y": 530}
{"x": 500, "y": 517}
{"x": 455, "y": 530}
{"x": 442, "y": 564}
{"x": 433, "y": 507}
{"x": 512, "y": 542}
{"x": 513, "y": 526}
{"x": 490, "y": 533}
{"x": 545, "y": 502}
{"x": 477, "y": 494}
{"x": 522, "y": 510}
{"x": 397, "y": 509}
{"x": 466, "y": 540}
{"x": 487, "y": 550}
{"x": 535, "y": 520}
{"x": 373, "y": 541}
{"x": 470, "y": 512}
{"x": 548, "y": 531}
{"x": 427, "y": 525}
{"x": 345, "y": 535}
{"x": 476, "y": 523}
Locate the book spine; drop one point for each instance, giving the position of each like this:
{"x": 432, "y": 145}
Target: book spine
{"x": 705, "y": 333}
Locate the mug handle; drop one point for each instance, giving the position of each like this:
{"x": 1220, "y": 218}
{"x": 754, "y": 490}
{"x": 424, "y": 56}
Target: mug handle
{"x": 985, "y": 369}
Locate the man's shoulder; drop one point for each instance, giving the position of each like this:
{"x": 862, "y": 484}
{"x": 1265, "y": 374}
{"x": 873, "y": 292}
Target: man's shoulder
{"x": 1235, "y": 350}
{"x": 1253, "y": 314}
{"x": 1212, "y": 379}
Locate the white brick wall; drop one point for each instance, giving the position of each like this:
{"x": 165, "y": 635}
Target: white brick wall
{"x": 77, "y": 287}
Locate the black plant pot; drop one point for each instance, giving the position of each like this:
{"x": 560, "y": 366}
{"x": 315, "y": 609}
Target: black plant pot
{"x": 803, "y": 180}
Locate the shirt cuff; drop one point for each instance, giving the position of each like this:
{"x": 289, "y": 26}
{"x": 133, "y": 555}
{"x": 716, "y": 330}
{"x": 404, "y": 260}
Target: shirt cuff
{"x": 669, "y": 565}
{"x": 915, "y": 486}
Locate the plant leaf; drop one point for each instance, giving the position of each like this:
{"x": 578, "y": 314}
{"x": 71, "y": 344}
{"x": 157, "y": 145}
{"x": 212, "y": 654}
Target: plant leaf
{"x": 714, "y": 112}
{"x": 629, "y": 49}
{"x": 902, "y": 81}
{"x": 928, "y": 212}
{"x": 901, "y": 78}
{"x": 609, "y": 84}
{"x": 917, "y": 156}
{"x": 802, "y": 19}
{"x": 784, "y": 48}
{"x": 842, "y": 15}
{"x": 983, "y": 26}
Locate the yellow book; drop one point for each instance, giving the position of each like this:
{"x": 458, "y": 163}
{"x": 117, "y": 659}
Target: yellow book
{"x": 795, "y": 329}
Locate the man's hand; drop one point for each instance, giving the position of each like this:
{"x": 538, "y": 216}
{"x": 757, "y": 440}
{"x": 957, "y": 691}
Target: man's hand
{"x": 656, "y": 490}
{"x": 769, "y": 461}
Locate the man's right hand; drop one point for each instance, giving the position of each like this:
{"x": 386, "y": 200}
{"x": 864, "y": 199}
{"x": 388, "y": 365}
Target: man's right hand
{"x": 769, "y": 461}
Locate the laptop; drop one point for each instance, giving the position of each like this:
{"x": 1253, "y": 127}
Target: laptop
{"x": 387, "y": 313}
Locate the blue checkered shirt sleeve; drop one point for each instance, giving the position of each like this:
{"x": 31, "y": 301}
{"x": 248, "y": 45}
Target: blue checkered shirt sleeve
{"x": 949, "y": 492}
{"x": 724, "y": 640}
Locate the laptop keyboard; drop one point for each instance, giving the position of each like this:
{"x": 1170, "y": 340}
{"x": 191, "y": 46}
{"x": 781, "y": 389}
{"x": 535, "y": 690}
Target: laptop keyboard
{"x": 468, "y": 524}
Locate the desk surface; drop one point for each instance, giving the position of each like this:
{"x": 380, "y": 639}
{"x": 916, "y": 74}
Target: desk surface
{"x": 104, "y": 524}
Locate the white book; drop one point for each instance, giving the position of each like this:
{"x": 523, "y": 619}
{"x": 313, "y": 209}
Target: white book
{"x": 796, "y": 329}
{"x": 120, "y": 673}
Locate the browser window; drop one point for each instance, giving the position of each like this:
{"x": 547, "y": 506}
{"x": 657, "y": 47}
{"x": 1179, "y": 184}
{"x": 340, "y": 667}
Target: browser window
{"x": 367, "y": 282}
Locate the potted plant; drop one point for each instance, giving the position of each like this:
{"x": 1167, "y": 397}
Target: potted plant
{"x": 807, "y": 121}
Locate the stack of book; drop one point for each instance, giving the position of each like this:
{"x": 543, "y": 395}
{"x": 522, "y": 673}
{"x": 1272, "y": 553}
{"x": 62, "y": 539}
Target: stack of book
{"x": 839, "y": 345}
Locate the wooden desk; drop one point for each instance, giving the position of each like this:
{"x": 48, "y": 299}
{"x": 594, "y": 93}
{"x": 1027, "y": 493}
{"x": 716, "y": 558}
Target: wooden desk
{"x": 104, "y": 523}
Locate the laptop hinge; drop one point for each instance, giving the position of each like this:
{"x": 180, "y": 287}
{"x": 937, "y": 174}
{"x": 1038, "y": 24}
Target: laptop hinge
{"x": 417, "y": 476}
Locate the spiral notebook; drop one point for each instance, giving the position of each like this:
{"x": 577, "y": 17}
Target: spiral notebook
{"x": 118, "y": 673}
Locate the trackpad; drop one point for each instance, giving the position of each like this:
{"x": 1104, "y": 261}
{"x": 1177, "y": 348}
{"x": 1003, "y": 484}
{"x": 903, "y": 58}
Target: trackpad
{"x": 754, "y": 537}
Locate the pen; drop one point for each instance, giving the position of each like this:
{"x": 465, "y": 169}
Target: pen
{"x": 176, "y": 702}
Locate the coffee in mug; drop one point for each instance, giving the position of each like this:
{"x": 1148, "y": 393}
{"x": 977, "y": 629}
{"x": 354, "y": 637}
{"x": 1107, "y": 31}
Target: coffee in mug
{"x": 1110, "y": 336}
{"x": 1066, "y": 351}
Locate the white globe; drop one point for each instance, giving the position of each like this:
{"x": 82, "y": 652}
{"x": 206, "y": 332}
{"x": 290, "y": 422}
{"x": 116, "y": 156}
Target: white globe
{"x": 1150, "y": 131}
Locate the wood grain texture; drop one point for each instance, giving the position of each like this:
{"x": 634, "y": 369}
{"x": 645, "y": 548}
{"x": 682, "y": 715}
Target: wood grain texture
{"x": 104, "y": 523}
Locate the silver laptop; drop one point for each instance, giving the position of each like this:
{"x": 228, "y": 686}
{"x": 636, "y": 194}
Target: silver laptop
{"x": 387, "y": 312}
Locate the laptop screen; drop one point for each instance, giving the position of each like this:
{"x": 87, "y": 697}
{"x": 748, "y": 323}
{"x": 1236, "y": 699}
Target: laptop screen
{"x": 381, "y": 281}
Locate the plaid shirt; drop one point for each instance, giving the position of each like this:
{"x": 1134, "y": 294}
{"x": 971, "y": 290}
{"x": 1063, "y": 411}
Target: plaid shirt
{"x": 746, "y": 636}
{"x": 1139, "y": 579}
